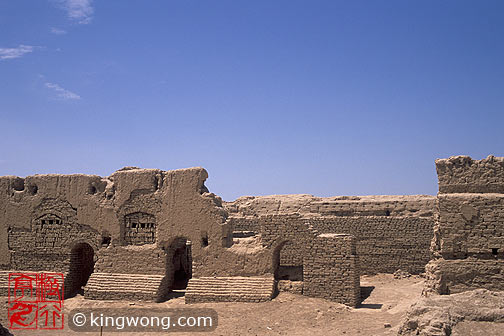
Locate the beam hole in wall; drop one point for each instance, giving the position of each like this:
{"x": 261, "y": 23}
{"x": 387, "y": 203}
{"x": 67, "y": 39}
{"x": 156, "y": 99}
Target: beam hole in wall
{"x": 106, "y": 241}
{"x": 204, "y": 239}
{"x": 18, "y": 184}
{"x": 81, "y": 267}
{"x": 33, "y": 189}
{"x": 387, "y": 213}
{"x": 495, "y": 251}
{"x": 92, "y": 190}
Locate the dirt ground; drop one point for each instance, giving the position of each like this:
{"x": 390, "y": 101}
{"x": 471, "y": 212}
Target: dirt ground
{"x": 385, "y": 304}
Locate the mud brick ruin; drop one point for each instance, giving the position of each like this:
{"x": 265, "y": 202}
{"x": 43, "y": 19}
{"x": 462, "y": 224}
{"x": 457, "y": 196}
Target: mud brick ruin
{"x": 468, "y": 244}
{"x": 141, "y": 234}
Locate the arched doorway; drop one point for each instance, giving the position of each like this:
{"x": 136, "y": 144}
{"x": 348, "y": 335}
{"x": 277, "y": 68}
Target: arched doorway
{"x": 81, "y": 267}
{"x": 180, "y": 262}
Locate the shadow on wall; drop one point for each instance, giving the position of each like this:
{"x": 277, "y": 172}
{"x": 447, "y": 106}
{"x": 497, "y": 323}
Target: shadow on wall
{"x": 178, "y": 268}
{"x": 287, "y": 262}
{"x": 81, "y": 268}
{"x": 365, "y": 293}
{"x": 181, "y": 263}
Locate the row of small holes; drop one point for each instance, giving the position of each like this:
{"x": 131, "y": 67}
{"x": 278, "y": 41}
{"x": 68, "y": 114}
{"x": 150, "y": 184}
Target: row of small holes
{"x": 142, "y": 225}
{"x": 50, "y": 221}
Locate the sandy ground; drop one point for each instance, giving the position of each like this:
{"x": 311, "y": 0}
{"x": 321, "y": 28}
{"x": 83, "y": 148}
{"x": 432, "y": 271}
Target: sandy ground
{"x": 478, "y": 329}
{"x": 386, "y": 302}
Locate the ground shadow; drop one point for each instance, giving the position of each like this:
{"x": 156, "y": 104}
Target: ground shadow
{"x": 365, "y": 293}
{"x": 174, "y": 294}
{"x": 370, "y": 305}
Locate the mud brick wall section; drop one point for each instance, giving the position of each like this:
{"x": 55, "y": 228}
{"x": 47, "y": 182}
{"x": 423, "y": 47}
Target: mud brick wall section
{"x": 331, "y": 269}
{"x": 468, "y": 244}
{"x": 383, "y": 244}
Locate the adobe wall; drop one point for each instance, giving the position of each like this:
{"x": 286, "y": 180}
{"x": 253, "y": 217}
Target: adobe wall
{"x": 391, "y": 232}
{"x": 249, "y": 207}
{"x": 461, "y": 174}
{"x": 385, "y": 244}
{"x": 29, "y": 244}
{"x": 461, "y": 275}
{"x": 44, "y": 216}
{"x": 330, "y": 264}
{"x": 132, "y": 220}
{"x": 149, "y": 259}
{"x": 468, "y": 243}
{"x": 469, "y": 225}
{"x": 331, "y": 269}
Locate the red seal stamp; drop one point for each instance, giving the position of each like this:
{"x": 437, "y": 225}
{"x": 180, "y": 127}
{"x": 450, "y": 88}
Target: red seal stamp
{"x": 36, "y": 301}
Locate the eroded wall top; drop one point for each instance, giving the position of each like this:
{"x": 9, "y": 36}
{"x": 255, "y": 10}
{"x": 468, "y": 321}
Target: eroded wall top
{"x": 461, "y": 174}
{"x": 308, "y": 205}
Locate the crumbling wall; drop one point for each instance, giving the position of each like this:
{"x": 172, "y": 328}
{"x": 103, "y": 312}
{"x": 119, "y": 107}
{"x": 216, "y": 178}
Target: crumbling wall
{"x": 468, "y": 243}
{"x": 44, "y": 216}
{"x": 391, "y": 232}
{"x": 246, "y": 208}
{"x": 461, "y": 174}
{"x": 42, "y": 222}
{"x": 384, "y": 243}
{"x": 330, "y": 266}
{"x": 131, "y": 223}
{"x": 53, "y": 233}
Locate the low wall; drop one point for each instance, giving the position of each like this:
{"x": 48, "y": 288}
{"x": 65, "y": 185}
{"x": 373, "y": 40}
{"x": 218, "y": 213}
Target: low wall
{"x": 146, "y": 259}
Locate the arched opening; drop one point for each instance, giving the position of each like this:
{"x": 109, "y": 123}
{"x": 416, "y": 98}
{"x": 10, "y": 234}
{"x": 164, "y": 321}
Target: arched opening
{"x": 81, "y": 267}
{"x": 180, "y": 262}
{"x": 288, "y": 262}
{"x": 288, "y": 268}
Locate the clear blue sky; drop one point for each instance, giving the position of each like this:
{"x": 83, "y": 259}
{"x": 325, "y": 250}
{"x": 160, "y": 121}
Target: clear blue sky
{"x": 271, "y": 97}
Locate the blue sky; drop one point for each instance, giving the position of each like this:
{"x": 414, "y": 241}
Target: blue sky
{"x": 271, "y": 97}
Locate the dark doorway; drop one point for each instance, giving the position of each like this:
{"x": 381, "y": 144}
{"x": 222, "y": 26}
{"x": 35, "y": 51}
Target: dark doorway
{"x": 81, "y": 267}
{"x": 181, "y": 263}
{"x": 288, "y": 262}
